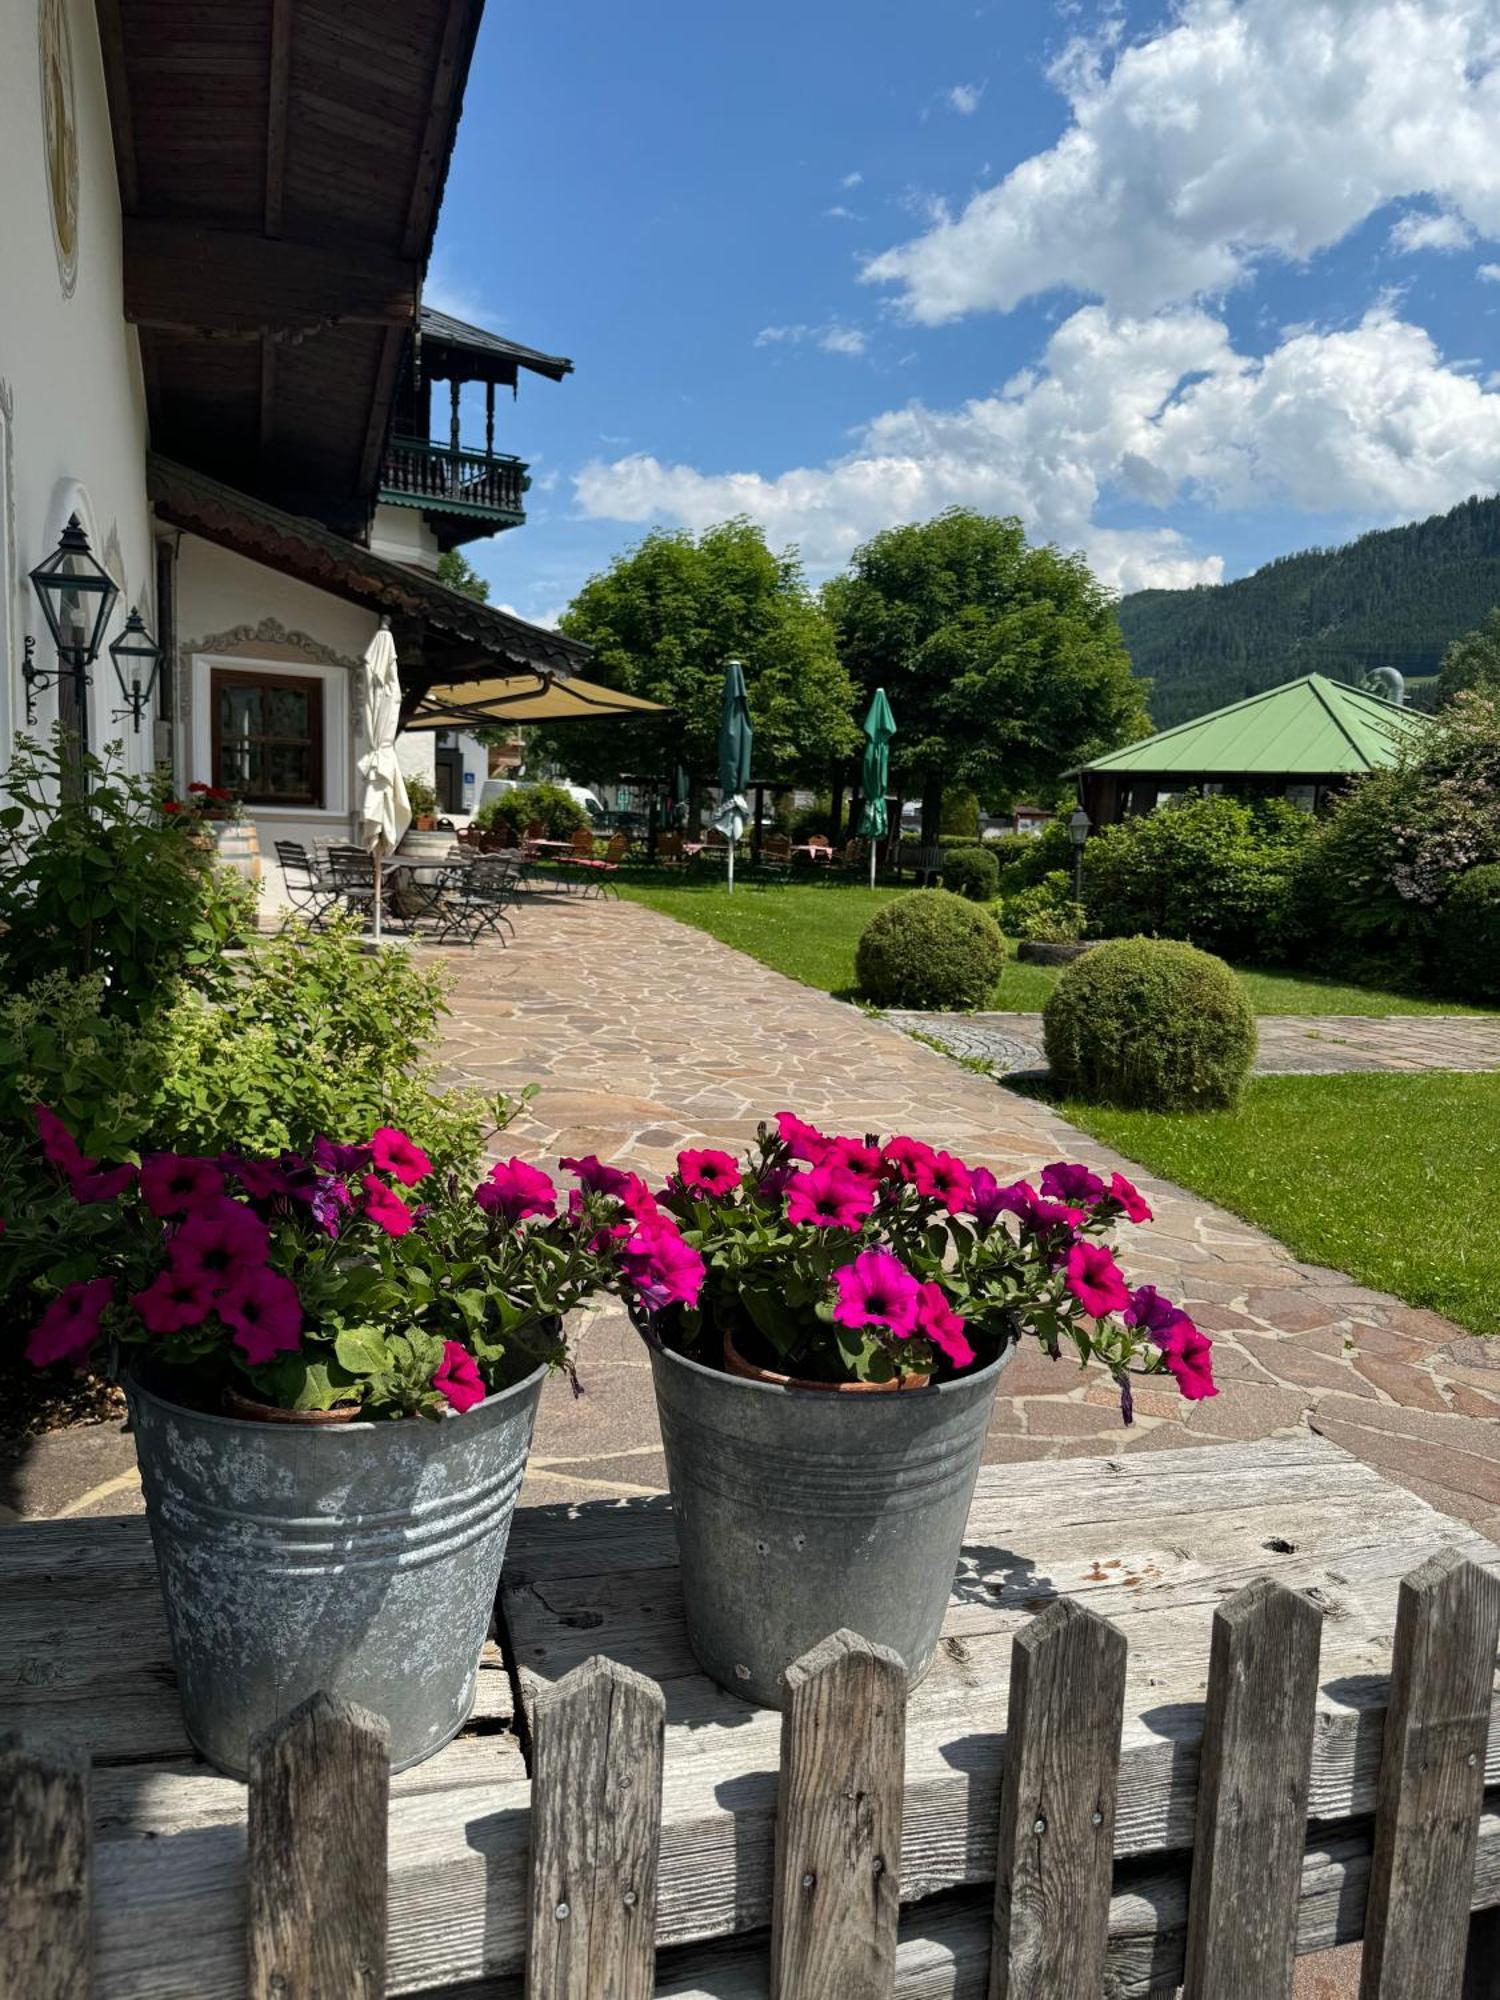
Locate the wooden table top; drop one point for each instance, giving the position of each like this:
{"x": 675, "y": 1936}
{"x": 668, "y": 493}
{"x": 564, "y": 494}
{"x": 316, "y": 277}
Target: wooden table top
{"x": 1152, "y": 1541}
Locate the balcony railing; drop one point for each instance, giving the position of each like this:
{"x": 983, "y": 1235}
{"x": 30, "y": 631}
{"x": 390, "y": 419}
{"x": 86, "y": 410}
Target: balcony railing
{"x": 420, "y": 473}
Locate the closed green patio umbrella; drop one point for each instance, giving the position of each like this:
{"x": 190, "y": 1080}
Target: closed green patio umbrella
{"x": 735, "y": 738}
{"x": 875, "y": 773}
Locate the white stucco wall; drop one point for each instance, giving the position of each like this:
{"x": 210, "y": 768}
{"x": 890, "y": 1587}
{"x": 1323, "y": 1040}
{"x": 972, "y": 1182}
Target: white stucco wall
{"x": 402, "y": 535}
{"x": 72, "y": 402}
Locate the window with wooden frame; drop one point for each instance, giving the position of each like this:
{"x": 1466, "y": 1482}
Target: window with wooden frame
{"x": 268, "y": 737}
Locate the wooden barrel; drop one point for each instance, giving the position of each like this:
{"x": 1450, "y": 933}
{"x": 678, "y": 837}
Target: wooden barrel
{"x": 238, "y": 843}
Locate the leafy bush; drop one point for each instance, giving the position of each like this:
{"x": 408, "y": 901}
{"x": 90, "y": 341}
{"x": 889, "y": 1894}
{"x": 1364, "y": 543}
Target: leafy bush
{"x": 1150, "y": 1025}
{"x": 970, "y": 872}
{"x": 558, "y": 812}
{"x": 1214, "y": 872}
{"x": 930, "y": 949}
{"x": 1469, "y": 935}
{"x": 108, "y": 883}
{"x": 421, "y": 796}
{"x": 1046, "y": 913}
{"x": 61, "y": 1046}
{"x": 960, "y": 815}
{"x": 1025, "y": 858}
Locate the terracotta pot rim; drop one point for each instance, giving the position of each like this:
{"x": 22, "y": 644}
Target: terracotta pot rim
{"x": 748, "y": 1371}
{"x": 251, "y": 1411}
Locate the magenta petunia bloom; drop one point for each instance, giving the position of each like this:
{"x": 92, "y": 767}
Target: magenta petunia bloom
{"x": 288, "y": 1177}
{"x": 1133, "y": 1204}
{"x": 330, "y": 1201}
{"x": 102, "y": 1184}
{"x": 175, "y": 1299}
{"x": 943, "y": 1326}
{"x": 876, "y": 1289}
{"x": 263, "y": 1312}
{"x": 175, "y": 1184}
{"x": 1189, "y": 1358}
{"x": 220, "y": 1243}
{"x": 828, "y": 1198}
{"x": 70, "y": 1325}
{"x": 637, "y": 1200}
{"x": 906, "y": 1155}
{"x": 394, "y": 1154}
{"x": 1152, "y": 1311}
{"x": 855, "y": 1156}
{"x": 663, "y": 1269}
{"x": 802, "y": 1141}
{"x": 1034, "y": 1211}
{"x": 942, "y": 1177}
{"x": 59, "y": 1148}
{"x": 1093, "y": 1277}
{"x": 385, "y": 1207}
{"x": 1073, "y": 1183}
{"x": 708, "y": 1172}
{"x": 985, "y": 1203}
{"x": 516, "y": 1190}
{"x": 334, "y": 1158}
{"x": 458, "y": 1377}
{"x": 596, "y": 1177}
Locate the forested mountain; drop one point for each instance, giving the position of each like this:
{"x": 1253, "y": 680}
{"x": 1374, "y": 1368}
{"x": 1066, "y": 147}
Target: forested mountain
{"x": 1392, "y": 599}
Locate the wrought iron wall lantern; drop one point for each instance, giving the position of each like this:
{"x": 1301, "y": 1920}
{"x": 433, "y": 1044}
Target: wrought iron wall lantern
{"x": 77, "y": 595}
{"x": 136, "y": 656}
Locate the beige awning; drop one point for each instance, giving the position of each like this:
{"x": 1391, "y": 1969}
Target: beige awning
{"x": 523, "y": 698}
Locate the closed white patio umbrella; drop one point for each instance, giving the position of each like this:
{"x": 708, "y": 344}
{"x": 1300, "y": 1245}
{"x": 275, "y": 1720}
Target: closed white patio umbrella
{"x": 384, "y": 809}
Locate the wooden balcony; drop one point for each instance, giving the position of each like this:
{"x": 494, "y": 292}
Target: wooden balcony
{"x": 486, "y": 487}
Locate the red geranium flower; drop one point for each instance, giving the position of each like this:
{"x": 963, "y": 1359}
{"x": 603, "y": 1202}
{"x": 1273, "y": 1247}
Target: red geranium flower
{"x": 394, "y": 1154}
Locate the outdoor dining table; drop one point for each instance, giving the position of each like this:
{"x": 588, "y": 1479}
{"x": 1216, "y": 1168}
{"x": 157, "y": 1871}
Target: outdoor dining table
{"x": 1153, "y": 1541}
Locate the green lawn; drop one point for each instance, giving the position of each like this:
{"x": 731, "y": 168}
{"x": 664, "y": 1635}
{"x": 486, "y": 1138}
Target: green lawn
{"x": 1394, "y": 1179}
{"x": 809, "y": 931}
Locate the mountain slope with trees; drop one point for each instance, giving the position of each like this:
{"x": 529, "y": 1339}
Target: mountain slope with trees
{"x": 1395, "y": 598}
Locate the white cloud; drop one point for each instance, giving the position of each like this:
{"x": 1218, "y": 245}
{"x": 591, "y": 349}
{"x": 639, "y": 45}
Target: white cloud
{"x": 1243, "y": 129}
{"x": 1366, "y": 421}
{"x": 1490, "y": 273}
{"x": 853, "y": 180}
{"x": 833, "y": 337}
{"x": 1419, "y": 230}
{"x": 964, "y": 98}
{"x": 838, "y": 213}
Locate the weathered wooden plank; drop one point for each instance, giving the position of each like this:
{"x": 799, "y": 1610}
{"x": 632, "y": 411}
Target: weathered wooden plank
{"x": 1254, "y": 1772}
{"x": 46, "y": 1946}
{"x": 317, "y": 1855}
{"x": 838, "y": 1823}
{"x": 595, "y": 1829}
{"x": 1057, "y": 1809}
{"x": 195, "y": 279}
{"x": 1431, "y": 1781}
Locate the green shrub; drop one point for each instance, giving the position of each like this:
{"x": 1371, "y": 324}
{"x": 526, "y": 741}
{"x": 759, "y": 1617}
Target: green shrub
{"x": 930, "y": 949}
{"x": 970, "y": 872}
{"x": 109, "y": 883}
{"x": 1025, "y": 858}
{"x": 421, "y": 796}
{"x": 558, "y": 812}
{"x": 1469, "y": 935}
{"x": 960, "y": 815}
{"x": 1150, "y": 1025}
{"x": 1046, "y": 913}
{"x": 1213, "y": 872}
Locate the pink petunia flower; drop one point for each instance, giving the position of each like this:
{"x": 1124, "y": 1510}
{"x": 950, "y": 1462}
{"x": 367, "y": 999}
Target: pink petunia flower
{"x": 906, "y": 1155}
{"x": 663, "y": 1269}
{"x": 855, "y": 1156}
{"x": 263, "y": 1312}
{"x": 1033, "y": 1211}
{"x": 175, "y": 1299}
{"x": 394, "y": 1154}
{"x": 1189, "y": 1358}
{"x": 942, "y": 1177}
{"x": 1072, "y": 1182}
{"x": 708, "y": 1172}
{"x": 59, "y": 1148}
{"x": 637, "y": 1200}
{"x": 70, "y": 1325}
{"x": 596, "y": 1177}
{"x": 385, "y": 1207}
{"x": 458, "y": 1377}
{"x": 179, "y": 1184}
{"x": 515, "y": 1190}
{"x": 828, "y": 1198}
{"x": 943, "y": 1326}
{"x": 266, "y": 1180}
{"x": 985, "y": 1203}
{"x": 102, "y": 1184}
{"x": 335, "y": 1158}
{"x": 1152, "y": 1311}
{"x": 1133, "y": 1204}
{"x": 876, "y": 1289}
{"x": 1093, "y": 1277}
{"x": 802, "y": 1141}
{"x": 220, "y": 1243}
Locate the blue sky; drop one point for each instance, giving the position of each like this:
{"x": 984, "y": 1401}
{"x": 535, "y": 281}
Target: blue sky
{"x": 1185, "y": 287}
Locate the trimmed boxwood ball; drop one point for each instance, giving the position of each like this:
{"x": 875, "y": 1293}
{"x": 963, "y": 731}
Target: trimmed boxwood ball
{"x": 930, "y": 949}
{"x": 1469, "y": 935}
{"x": 1150, "y": 1025}
{"x": 969, "y": 871}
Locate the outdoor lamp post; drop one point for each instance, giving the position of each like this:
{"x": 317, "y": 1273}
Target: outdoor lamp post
{"x": 76, "y": 595}
{"x": 1078, "y": 832}
{"x": 136, "y": 656}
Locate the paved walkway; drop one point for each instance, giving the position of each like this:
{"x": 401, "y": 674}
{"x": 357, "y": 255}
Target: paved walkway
{"x": 645, "y": 1036}
{"x": 1290, "y": 1044}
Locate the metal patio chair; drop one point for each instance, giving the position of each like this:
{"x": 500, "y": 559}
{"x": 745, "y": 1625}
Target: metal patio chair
{"x": 310, "y": 890}
{"x": 471, "y": 900}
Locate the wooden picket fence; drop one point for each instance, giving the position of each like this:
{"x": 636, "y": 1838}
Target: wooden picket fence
{"x": 317, "y": 1815}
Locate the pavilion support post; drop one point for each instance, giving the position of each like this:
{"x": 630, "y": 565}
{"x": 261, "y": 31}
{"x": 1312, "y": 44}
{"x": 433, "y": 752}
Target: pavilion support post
{"x": 489, "y": 418}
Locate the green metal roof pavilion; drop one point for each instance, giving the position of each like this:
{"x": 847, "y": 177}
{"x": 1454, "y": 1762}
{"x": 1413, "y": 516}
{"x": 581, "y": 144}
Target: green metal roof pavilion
{"x": 1306, "y": 729}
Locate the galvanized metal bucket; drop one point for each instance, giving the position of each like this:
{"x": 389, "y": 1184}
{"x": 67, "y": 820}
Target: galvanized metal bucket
{"x": 801, "y": 1511}
{"x": 361, "y": 1559}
